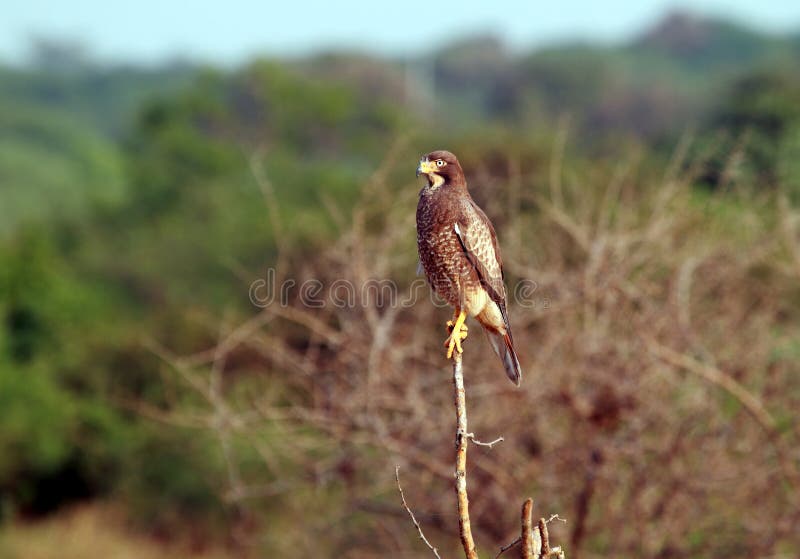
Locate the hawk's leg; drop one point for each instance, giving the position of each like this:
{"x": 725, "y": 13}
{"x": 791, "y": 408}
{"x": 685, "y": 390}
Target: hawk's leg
{"x": 451, "y": 323}
{"x": 458, "y": 333}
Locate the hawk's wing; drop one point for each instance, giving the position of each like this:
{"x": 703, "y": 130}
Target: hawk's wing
{"x": 479, "y": 242}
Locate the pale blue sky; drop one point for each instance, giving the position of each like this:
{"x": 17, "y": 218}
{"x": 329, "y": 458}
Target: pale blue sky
{"x": 231, "y": 31}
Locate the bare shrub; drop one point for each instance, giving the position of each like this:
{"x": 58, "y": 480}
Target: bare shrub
{"x": 657, "y": 412}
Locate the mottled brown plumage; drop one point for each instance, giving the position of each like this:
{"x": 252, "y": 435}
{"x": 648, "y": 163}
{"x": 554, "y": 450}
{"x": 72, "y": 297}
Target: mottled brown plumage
{"x": 459, "y": 253}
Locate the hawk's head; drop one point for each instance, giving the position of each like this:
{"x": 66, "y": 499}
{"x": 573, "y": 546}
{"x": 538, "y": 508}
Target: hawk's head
{"x": 441, "y": 167}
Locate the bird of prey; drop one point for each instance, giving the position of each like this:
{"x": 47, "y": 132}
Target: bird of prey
{"x": 459, "y": 253}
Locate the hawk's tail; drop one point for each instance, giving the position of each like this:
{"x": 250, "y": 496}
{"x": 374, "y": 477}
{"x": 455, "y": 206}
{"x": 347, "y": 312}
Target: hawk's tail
{"x": 504, "y": 348}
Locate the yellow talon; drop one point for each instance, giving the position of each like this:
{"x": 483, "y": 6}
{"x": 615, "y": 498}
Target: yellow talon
{"x": 450, "y": 325}
{"x": 458, "y": 333}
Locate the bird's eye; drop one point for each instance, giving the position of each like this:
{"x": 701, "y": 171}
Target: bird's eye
{"x": 439, "y": 163}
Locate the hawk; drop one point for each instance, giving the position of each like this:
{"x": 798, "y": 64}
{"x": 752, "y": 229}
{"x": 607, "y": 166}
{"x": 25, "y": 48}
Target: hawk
{"x": 459, "y": 253}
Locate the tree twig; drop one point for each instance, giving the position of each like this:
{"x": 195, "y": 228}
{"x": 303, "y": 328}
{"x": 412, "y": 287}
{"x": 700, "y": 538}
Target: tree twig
{"x": 545, "y": 538}
{"x": 471, "y": 436}
{"x": 534, "y": 540}
{"x": 411, "y": 514}
{"x": 507, "y": 547}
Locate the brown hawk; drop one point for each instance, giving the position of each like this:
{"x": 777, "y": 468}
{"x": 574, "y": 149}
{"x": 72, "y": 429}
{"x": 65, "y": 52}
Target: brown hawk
{"x": 459, "y": 253}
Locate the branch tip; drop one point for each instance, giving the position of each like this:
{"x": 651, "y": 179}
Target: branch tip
{"x": 471, "y": 436}
{"x": 411, "y": 514}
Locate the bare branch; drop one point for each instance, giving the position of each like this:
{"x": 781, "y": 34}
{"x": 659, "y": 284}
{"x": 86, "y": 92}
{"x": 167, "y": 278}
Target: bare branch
{"x": 526, "y": 532}
{"x": 411, "y": 514}
{"x": 471, "y": 437}
{"x": 545, "y": 552}
{"x": 507, "y": 547}
{"x": 464, "y": 527}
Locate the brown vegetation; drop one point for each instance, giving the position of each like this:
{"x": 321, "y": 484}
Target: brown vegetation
{"x": 657, "y": 409}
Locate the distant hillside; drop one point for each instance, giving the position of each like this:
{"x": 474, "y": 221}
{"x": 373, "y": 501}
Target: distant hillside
{"x": 65, "y": 117}
{"x": 61, "y": 121}
{"x": 702, "y": 44}
{"x": 664, "y": 80}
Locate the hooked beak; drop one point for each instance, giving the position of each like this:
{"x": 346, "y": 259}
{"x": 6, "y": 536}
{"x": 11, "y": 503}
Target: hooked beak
{"x": 425, "y": 167}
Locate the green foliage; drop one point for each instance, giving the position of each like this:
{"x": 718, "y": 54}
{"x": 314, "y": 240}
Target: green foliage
{"x": 38, "y": 424}
{"x": 101, "y": 98}
{"x": 760, "y": 120}
{"x": 52, "y": 166}
{"x": 171, "y": 478}
{"x": 122, "y": 237}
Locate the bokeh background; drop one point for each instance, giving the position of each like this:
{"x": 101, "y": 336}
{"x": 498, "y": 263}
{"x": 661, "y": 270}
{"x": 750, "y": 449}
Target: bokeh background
{"x": 641, "y": 164}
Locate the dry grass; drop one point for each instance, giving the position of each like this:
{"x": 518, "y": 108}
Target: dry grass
{"x": 91, "y": 530}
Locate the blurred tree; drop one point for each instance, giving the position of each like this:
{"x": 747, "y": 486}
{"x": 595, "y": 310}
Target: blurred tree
{"x": 58, "y": 55}
{"x": 761, "y": 116}
{"x": 700, "y": 44}
{"x": 52, "y": 166}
